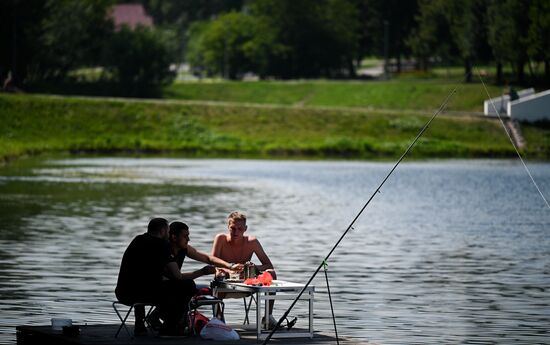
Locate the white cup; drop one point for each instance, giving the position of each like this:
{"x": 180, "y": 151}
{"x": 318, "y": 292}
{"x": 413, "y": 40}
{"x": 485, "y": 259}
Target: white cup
{"x": 57, "y": 324}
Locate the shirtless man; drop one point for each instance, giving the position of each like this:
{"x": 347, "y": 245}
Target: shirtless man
{"x": 237, "y": 248}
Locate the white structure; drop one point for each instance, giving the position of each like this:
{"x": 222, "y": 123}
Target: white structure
{"x": 501, "y": 103}
{"x": 530, "y": 108}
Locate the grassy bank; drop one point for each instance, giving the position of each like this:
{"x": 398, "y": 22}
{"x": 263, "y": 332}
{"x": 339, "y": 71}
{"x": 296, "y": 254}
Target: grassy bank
{"x": 33, "y": 124}
{"x": 395, "y": 94}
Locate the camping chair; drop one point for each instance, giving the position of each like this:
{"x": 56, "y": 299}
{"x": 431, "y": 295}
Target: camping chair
{"x": 132, "y": 306}
{"x": 247, "y": 304}
{"x": 201, "y": 300}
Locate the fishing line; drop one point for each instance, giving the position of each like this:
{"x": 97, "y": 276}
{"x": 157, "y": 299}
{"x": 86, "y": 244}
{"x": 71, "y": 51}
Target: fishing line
{"x": 377, "y": 190}
{"x": 512, "y": 140}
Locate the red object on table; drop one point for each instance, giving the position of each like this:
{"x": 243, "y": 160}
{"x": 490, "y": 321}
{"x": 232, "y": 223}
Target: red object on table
{"x": 263, "y": 279}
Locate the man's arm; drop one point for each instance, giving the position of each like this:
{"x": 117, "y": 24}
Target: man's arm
{"x": 210, "y": 259}
{"x": 173, "y": 272}
{"x": 262, "y": 256}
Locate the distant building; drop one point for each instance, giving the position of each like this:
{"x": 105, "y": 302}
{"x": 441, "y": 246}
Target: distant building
{"x": 132, "y": 15}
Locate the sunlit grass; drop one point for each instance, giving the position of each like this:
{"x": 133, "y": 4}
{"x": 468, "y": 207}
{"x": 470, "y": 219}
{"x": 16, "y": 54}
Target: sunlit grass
{"x": 406, "y": 94}
{"x": 34, "y": 124}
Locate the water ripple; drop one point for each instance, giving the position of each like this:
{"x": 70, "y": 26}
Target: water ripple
{"x": 449, "y": 252}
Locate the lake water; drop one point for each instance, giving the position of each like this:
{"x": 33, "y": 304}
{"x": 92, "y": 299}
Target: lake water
{"x": 449, "y": 252}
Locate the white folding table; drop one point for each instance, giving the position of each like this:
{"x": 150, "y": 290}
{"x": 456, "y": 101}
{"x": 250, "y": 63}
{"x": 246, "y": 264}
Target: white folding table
{"x": 279, "y": 290}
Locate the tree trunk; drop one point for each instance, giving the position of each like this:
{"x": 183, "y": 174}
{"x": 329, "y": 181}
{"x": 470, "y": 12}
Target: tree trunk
{"x": 398, "y": 63}
{"x": 468, "y": 70}
{"x": 499, "y": 73}
{"x": 520, "y": 72}
{"x": 547, "y": 70}
{"x": 425, "y": 64}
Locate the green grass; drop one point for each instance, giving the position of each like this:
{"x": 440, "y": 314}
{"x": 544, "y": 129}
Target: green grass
{"x": 35, "y": 124}
{"x": 412, "y": 94}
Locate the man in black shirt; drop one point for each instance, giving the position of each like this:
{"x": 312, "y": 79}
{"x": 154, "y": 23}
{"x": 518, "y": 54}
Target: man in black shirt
{"x": 142, "y": 267}
{"x": 180, "y": 249}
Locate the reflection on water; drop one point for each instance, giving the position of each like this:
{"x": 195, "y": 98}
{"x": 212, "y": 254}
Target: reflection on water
{"x": 449, "y": 252}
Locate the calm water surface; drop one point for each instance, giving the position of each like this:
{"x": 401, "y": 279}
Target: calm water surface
{"x": 449, "y": 252}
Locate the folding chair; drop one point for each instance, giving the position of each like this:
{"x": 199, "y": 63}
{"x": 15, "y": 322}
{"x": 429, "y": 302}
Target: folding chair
{"x": 244, "y": 297}
{"x": 132, "y": 306}
{"x": 196, "y": 302}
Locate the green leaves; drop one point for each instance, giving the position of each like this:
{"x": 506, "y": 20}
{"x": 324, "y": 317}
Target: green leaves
{"x": 284, "y": 39}
{"x": 140, "y": 59}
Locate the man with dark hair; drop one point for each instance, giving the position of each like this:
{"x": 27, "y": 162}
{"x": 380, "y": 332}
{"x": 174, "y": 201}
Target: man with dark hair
{"x": 180, "y": 248}
{"x": 142, "y": 268}
{"x": 143, "y": 263}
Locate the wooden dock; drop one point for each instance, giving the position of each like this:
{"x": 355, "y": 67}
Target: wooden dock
{"x": 104, "y": 334}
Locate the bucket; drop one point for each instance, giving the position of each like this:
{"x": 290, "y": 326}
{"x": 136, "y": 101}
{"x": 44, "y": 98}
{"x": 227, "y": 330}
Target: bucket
{"x": 57, "y": 324}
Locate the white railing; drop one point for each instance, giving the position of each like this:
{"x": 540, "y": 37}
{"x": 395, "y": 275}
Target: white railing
{"x": 501, "y": 103}
{"x": 531, "y": 108}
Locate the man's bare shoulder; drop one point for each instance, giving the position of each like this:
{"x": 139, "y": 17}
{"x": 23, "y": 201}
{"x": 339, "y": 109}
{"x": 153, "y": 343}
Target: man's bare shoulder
{"x": 223, "y": 238}
{"x": 252, "y": 240}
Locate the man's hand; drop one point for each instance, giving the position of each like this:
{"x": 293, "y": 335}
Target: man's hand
{"x": 208, "y": 269}
{"x": 221, "y": 274}
{"x": 237, "y": 267}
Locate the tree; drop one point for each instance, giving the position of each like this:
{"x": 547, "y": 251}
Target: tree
{"x": 19, "y": 31}
{"x": 508, "y": 27}
{"x": 431, "y": 37}
{"x": 218, "y": 47}
{"x": 377, "y": 15}
{"x": 178, "y": 15}
{"x": 69, "y": 43}
{"x": 314, "y": 38}
{"x": 539, "y": 33}
{"x": 184, "y": 13}
{"x": 465, "y": 20}
{"x": 285, "y": 39}
{"x": 139, "y": 60}
{"x": 451, "y": 28}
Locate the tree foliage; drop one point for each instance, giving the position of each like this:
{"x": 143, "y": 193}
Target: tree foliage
{"x": 47, "y": 39}
{"x": 72, "y": 35}
{"x": 539, "y": 33}
{"x": 378, "y": 16}
{"x": 508, "y": 32}
{"x": 285, "y": 39}
{"x": 140, "y": 59}
{"x": 221, "y": 46}
{"x": 432, "y": 37}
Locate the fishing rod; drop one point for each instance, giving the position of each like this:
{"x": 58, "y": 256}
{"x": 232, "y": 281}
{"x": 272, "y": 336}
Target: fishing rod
{"x": 512, "y": 140}
{"x": 350, "y": 226}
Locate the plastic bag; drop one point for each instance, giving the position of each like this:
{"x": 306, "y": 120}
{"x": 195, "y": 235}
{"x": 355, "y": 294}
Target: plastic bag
{"x": 199, "y": 321}
{"x": 216, "y": 329}
{"x": 263, "y": 279}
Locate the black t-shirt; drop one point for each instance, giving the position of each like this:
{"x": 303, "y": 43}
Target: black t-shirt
{"x": 180, "y": 257}
{"x": 142, "y": 268}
